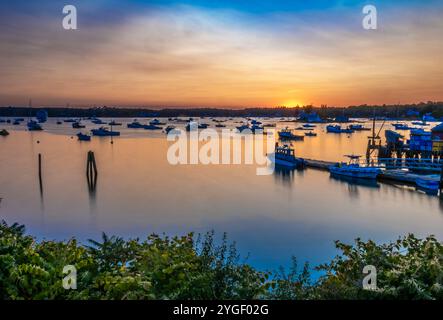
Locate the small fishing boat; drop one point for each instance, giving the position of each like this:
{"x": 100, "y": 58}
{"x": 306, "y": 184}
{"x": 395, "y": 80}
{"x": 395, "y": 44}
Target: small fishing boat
{"x": 151, "y": 127}
{"x": 401, "y": 126}
{"x": 70, "y": 120}
{"x": 78, "y": 125}
{"x": 269, "y": 125}
{"x": 83, "y": 137}
{"x": 191, "y": 126}
{"x": 135, "y": 125}
{"x": 256, "y": 128}
{"x": 310, "y": 134}
{"x": 113, "y": 123}
{"x": 104, "y": 132}
{"x": 288, "y": 135}
{"x": 420, "y": 123}
{"x": 16, "y": 123}
{"x": 429, "y": 183}
{"x": 97, "y": 121}
{"x": 2, "y": 120}
{"x": 156, "y": 122}
{"x": 59, "y": 122}
{"x": 354, "y": 170}
{"x": 172, "y": 130}
{"x": 358, "y": 127}
{"x": 308, "y": 125}
{"x": 255, "y": 122}
{"x": 285, "y": 156}
{"x": 34, "y": 126}
{"x": 4, "y": 133}
{"x": 220, "y": 125}
{"x": 337, "y": 129}
{"x": 243, "y": 127}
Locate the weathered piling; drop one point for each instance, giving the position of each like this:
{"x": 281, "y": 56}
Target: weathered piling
{"x": 40, "y": 172}
{"x": 91, "y": 171}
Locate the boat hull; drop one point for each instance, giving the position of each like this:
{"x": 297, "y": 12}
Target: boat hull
{"x": 359, "y": 173}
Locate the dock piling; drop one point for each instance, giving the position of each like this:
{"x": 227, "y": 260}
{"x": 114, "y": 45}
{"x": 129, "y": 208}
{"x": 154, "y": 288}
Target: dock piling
{"x": 91, "y": 171}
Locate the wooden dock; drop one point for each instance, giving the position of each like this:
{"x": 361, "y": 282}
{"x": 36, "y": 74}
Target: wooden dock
{"x": 395, "y": 175}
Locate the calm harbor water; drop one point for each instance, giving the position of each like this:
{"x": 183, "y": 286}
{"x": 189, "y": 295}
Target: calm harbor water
{"x": 138, "y": 192}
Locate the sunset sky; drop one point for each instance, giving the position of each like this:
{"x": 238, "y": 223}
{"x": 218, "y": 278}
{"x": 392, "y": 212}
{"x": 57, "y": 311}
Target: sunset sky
{"x": 225, "y": 53}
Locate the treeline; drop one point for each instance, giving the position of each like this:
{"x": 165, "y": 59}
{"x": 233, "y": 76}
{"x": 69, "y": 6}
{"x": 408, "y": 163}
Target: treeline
{"x": 392, "y": 111}
{"x": 194, "y": 267}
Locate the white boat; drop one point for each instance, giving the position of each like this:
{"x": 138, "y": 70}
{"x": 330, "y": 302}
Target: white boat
{"x": 354, "y": 170}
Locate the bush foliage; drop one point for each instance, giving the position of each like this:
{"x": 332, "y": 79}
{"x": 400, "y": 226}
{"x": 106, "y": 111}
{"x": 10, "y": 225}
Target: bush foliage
{"x": 193, "y": 267}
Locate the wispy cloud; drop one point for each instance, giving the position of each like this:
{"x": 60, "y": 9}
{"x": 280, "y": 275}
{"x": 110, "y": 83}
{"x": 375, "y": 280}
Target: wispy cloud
{"x": 186, "y": 55}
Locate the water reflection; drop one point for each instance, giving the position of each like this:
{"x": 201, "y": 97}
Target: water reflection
{"x": 271, "y": 217}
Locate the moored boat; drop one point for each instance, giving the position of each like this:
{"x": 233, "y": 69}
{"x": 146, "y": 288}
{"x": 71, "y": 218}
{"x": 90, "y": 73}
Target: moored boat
{"x": 151, "y": 127}
{"x": 83, "y": 137}
{"x": 401, "y": 126}
{"x": 358, "y": 127}
{"x": 78, "y": 125}
{"x": 4, "y": 133}
{"x": 104, "y": 132}
{"x": 285, "y": 156}
{"x": 288, "y": 135}
{"x": 135, "y": 125}
{"x": 34, "y": 126}
{"x": 156, "y": 122}
{"x": 354, "y": 170}
{"x": 310, "y": 134}
{"x": 338, "y": 129}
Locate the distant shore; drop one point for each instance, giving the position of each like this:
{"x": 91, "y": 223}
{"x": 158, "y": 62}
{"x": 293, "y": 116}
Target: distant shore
{"x": 407, "y": 111}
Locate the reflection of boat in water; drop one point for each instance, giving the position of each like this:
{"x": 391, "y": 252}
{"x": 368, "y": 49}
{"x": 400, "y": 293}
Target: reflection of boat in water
{"x": 34, "y": 126}
{"x": 288, "y": 135}
{"x": 104, "y": 132}
{"x": 371, "y": 183}
{"x": 83, "y": 137}
{"x": 338, "y": 129}
{"x": 285, "y": 156}
{"x": 429, "y": 183}
{"x": 354, "y": 170}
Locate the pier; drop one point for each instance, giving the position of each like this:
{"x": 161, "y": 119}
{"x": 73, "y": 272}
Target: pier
{"x": 393, "y": 174}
